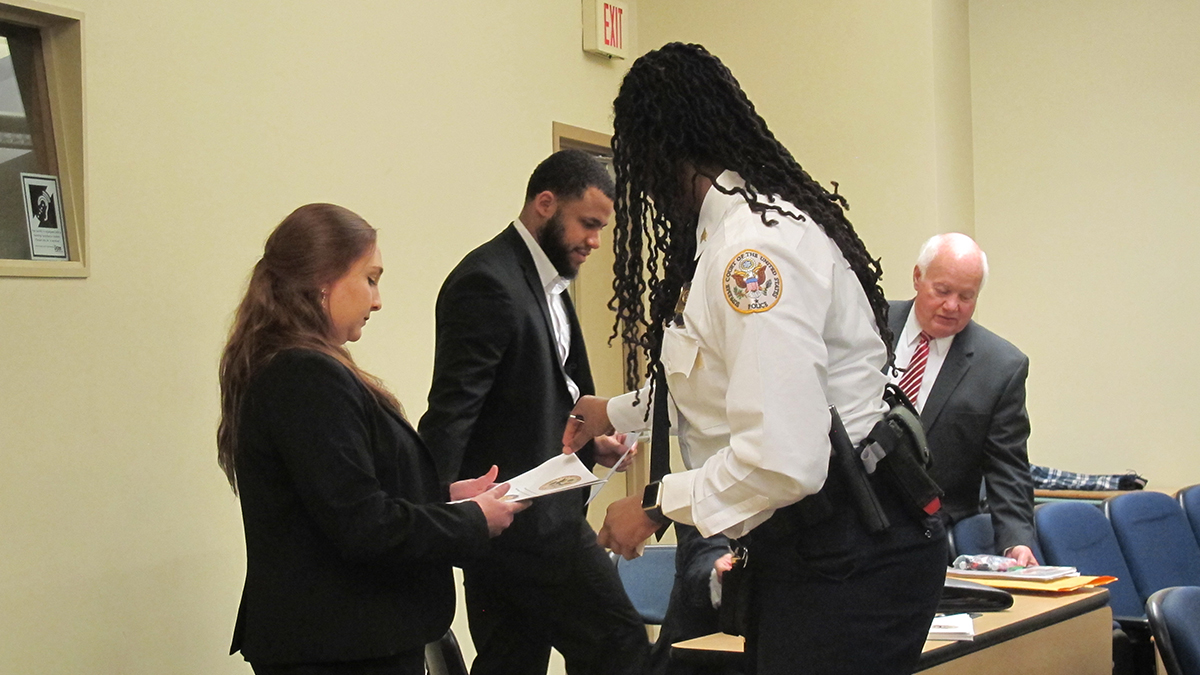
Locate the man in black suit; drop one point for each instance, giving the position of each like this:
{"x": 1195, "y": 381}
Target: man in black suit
{"x": 509, "y": 366}
{"x": 969, "y": 385}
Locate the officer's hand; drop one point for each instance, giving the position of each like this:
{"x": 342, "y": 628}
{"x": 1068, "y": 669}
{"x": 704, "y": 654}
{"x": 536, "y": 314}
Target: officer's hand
{"x": 588, "y": 420}
{"x": 626, "y": 527}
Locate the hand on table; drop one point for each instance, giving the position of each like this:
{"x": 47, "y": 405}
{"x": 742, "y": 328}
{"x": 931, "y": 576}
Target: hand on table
{"x": 1023, "y": 555}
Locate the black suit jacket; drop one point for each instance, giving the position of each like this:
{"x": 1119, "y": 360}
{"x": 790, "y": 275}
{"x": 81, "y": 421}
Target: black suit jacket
{"x": 690, "y": 613}
{"x": 349, "y": 543}
{"x": 499, "y": 397}
{"x": 977, "y": 427}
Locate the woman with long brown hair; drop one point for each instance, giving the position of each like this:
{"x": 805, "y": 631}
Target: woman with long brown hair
{"x": 349, "y": 536}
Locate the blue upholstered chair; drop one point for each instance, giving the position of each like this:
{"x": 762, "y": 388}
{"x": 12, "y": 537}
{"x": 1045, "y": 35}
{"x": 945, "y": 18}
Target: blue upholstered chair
{"x": 1076, "y": 534}
{"x": 648, "y": 581}
{"x": 1189, "y": 499}
{"x": 974, "y": 535}
{"x": 1175, "y": 617}
{"x": 1156, "y": 540}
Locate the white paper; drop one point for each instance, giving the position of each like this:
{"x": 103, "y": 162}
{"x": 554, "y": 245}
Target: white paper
{"x": 952, "y": 627}
{"x": 1035, "y": 573}
{"x": 562, "y": 472}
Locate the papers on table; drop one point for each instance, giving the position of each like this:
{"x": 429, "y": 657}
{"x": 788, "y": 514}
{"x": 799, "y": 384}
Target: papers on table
{"x": 1036, "y": 573}
{"x": 952, "y": 627}
{"x": 562, "y": 472}
{"x": 1063, "y": 585}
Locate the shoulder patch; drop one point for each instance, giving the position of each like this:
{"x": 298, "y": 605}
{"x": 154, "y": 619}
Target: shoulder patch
{"x": 752, "y": 282}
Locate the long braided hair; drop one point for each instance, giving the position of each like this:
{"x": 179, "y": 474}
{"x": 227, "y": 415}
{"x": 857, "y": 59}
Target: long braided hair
{"x": 680, "y": 112}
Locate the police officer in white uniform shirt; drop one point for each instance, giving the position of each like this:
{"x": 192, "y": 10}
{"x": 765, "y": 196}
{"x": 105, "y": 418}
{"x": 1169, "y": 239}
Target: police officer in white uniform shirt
{"x": 764, "y": 310}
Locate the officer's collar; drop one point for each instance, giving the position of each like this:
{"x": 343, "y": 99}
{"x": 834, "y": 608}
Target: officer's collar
{"x": 712, "y": 211}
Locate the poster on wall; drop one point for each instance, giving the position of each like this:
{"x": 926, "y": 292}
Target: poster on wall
{"x": 43, "y": 215}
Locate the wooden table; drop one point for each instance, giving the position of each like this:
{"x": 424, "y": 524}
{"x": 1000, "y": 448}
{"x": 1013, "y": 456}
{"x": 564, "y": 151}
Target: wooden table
{"x": 1042, "y": 633}
{"x": 1090, "y": 496}
{"x": 1050, "y": 633}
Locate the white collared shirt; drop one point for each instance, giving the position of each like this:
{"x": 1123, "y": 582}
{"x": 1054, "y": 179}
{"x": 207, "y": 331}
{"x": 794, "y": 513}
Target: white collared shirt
{"x": 753, "y": 389}
{"x": 907, "y": 344}
{"x": 554, "y": 285}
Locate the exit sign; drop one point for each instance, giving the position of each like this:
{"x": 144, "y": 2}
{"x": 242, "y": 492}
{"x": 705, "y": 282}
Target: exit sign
{"x": 605, "y": 28}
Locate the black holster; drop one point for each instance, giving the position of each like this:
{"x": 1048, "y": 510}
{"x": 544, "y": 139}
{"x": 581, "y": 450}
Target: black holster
{"x": 896, "y": 447}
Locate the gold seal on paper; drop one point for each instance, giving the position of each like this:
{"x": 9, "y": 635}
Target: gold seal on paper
{"x": 560, "y": 482}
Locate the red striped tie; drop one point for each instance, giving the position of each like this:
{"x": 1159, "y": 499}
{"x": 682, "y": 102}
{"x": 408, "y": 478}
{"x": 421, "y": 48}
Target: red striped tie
{"x": 910, "y": 384}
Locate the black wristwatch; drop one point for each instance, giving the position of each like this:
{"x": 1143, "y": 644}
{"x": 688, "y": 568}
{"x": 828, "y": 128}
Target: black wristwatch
{"x": 652, "y": 503}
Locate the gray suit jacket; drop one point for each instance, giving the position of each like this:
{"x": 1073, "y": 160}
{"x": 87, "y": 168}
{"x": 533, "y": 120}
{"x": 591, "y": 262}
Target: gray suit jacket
{"x": 977, "y": 427}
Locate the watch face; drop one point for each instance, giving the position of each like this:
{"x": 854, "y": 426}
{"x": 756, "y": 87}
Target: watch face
{"x": 650, "y": 496}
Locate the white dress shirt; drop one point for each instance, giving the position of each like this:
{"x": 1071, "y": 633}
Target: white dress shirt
{"x": 753, "y": 389}
{"x": 907, "y": 344}
{"x": 554, "y": 285}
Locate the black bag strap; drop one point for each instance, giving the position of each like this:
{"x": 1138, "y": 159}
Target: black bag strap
{"x": 660, "y": 437}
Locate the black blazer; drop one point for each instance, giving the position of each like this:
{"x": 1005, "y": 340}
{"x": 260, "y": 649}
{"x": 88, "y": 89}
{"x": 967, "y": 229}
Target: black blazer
{"x": 349, "y": 542}
{"x": 690, "y": 613}
{"x": 977, "y": 427}
{"x": 499, "y": 397}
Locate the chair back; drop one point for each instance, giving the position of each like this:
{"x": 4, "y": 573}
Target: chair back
{"x": 1076, "y": 534}
{"x": 1175, "y": 619}
{"x": 974, "y": 535}
{"x": 1155, "y": 539}
{"x": 1189, "y": 499}
{"x": 648, "y": 581}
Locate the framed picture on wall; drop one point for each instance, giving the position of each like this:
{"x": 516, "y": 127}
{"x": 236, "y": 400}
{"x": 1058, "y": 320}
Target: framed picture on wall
{"x": 43, "y": 215}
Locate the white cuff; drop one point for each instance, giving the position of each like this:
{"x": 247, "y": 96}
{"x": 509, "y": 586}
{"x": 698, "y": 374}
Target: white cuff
{"x": 677, "y": 496}
{"x": 625, "y": 416}
{"x": 714, "y": 589}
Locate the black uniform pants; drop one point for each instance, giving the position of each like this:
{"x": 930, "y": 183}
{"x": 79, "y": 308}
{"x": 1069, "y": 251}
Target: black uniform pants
{"x": 584, "y": 614}
{"x": 832, "y": 598}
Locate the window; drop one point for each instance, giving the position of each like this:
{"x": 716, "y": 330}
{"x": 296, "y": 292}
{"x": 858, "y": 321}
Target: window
{"x": 41, "y": 144}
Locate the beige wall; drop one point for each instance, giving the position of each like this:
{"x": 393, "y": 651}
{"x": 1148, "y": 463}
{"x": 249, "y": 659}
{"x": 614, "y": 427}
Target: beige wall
{"x": 1057, "y": 133}
{"x": 852, "y": 90}
{"x": 208, "y": 122}
{"x": 1087, "y": 159}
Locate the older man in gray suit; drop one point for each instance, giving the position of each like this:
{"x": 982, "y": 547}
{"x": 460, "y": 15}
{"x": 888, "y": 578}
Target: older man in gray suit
{"x": 969, "y": 386}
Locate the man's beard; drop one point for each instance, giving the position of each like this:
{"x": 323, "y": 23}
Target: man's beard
{"x": 552, "y": 239}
